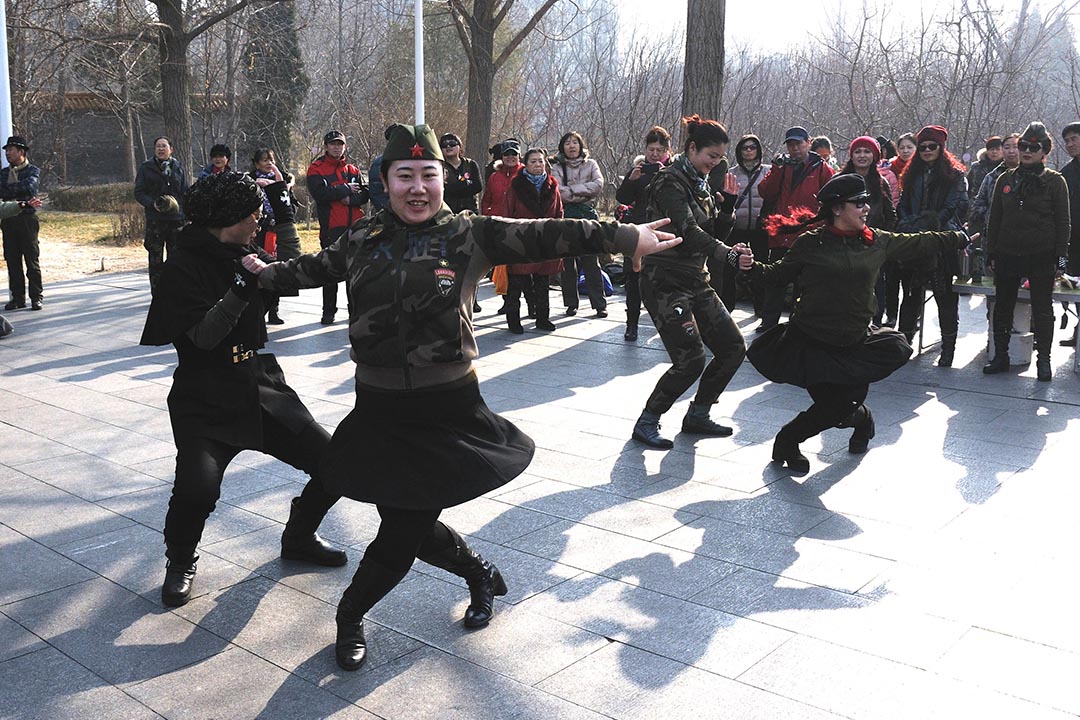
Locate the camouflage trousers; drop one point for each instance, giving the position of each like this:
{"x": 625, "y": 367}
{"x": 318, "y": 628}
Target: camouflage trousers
{"x": 690, "y": 317}
{"x": 159, "y": 239}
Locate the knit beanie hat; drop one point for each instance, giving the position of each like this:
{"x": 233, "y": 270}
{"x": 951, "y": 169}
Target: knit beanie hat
{"x": 222, "y": 200}
{"x": 932, "y": 133}
{"x": 1036, "y": 133}
{"x": 866, "y": 142}
{"x": 410, "y": 142}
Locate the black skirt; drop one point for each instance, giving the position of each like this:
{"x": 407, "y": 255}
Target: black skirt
{"x": 785, "y": 354}
{"x": 424, "y": 450}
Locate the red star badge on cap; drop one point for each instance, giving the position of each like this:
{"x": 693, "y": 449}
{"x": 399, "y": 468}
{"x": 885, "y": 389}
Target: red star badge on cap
{"x": 417, "y": 151}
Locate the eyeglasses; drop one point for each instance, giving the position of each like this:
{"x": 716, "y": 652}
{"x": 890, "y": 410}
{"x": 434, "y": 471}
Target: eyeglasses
{"x": 450, "y": 144}
{"x": 928, "y": 147}
{"x": 1028, "y": 147}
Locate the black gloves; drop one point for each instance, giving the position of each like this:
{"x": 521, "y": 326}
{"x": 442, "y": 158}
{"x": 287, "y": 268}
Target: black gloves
{"x": 245, "y": 283}
{"x": 1063, "y": 264}
{"x": 732, "y": 258}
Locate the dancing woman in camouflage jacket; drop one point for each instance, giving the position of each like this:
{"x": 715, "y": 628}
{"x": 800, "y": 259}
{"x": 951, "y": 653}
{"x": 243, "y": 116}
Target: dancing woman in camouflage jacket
{"x": 423, "y": 439}
{"x": 675, "y": 285}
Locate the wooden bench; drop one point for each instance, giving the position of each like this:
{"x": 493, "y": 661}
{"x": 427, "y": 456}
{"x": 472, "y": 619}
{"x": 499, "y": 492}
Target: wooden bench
{"x": 1022, "y": 342}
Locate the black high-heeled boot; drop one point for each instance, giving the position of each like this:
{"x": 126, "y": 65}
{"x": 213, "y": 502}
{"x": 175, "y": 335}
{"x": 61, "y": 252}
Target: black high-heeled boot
{"x": 483, "y": 578}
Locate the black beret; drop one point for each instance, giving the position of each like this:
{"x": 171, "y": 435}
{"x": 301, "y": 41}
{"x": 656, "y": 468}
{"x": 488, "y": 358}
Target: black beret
{"x": 843, "y": 188}
{"x": 222, "y": 200}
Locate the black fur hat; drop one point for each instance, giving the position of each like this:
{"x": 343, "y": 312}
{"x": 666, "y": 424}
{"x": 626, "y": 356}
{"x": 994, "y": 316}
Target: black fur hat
{"x": 222, "y": 200}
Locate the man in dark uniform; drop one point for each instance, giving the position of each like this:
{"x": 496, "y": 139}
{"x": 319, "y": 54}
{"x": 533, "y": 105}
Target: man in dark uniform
{"x": 159, "y": 187}
{"x": 19, "y": 181}
{"x": 226, "y": 397}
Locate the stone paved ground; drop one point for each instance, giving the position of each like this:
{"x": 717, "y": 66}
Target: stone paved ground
{"x": 929, "y": 578}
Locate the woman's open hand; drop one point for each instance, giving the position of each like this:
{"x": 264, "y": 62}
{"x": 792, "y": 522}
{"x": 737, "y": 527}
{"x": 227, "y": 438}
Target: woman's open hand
{"x": 652, "y": 240}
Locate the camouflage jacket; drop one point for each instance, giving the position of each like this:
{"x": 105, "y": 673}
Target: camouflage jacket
{"x": 694, "y": 217}
{"x": 413, "y": 286}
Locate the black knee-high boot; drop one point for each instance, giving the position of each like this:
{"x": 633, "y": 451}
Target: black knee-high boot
{"x": 370, "y": 584}
{"x": 482, "y": 577}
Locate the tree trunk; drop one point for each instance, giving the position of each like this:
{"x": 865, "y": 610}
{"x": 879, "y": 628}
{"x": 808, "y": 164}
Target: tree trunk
{"x": 703, "y": 71}
{"x": 175, "y": 95}
{"x": 481, "y": 80}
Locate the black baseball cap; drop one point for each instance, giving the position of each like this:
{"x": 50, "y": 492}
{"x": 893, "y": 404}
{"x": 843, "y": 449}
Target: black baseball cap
{"x": 332, "y": 136}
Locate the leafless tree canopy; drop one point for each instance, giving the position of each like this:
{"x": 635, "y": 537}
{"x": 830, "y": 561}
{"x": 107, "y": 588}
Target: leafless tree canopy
{"x": 880, "y": 69}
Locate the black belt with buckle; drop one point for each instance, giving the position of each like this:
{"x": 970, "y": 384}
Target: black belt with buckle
{"x": 239, "y": 354}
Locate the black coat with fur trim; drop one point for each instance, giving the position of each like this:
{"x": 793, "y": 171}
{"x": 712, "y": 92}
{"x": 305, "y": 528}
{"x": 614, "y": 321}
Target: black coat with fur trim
{"x": 216, "y": 394}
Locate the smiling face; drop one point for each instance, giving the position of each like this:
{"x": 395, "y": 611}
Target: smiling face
{"x": 706, "y": 158}
{"x": 862, "y": 158}
{"x": 510, "y": 160}
{"x": 219, "y": 161}
{"x": 265, "y": 162}
{"x": 416, "y": 189}
{"x": 850, "y": 215}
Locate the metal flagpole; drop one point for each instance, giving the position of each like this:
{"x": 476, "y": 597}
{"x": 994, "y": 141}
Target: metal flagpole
{"x": 418, "y": 32}
{"x": 5, "y": 79}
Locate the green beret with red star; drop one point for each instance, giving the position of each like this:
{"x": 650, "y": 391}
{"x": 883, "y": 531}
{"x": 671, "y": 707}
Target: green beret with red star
{"x": 410, "y": 142}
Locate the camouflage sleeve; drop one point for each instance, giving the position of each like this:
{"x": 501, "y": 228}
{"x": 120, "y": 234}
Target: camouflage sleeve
{"x": 326, "y": 267}
{"x": 506, "y": 242}
{"x": 783, "y": 271}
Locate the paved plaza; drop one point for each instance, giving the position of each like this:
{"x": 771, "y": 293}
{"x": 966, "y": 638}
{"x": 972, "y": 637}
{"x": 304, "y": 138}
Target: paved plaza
{"x": 928, "y": 578}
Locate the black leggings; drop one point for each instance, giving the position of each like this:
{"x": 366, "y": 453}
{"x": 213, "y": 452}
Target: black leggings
{"x": 834, "y": 404}
{"x": 201, "y": 464}
{"x": 405, "y": 535}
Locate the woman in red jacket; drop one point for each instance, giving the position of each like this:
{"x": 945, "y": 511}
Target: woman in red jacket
{"x": 533, "y": 194}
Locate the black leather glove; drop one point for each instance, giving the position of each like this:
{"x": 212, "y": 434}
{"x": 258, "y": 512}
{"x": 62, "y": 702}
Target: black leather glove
{"x": 732, "y": 258}
{"x": 245, "y": 283}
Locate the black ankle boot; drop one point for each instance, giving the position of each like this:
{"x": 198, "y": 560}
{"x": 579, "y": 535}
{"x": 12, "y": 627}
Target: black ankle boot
{"x": 1043, "y": 372}
{"x": 863, "y": 422}
{"x": 647, "y": 430}
{"x": 698, "y": 422}
{"x": 370, "y": 584}
{"x": 631, "y": 331}
{"x": 948, "y": 349}
{"x": 513, "y": 321}
{"x": 299, "y": 541}
{"x": 179, "y": 577}
{"x": 786, "y": 445}
{"x": 999, "y": 364}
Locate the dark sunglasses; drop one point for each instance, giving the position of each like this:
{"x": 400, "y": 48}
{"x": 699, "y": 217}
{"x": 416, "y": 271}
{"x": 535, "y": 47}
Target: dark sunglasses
{"x": 1028, "y": 147}
{"x": 859, "y": 204}
{"x": 928, "y": 147}
{"x": 449, "y": 144}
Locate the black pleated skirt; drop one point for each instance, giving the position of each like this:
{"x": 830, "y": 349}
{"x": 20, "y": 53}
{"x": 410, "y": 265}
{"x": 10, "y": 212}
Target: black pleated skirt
{"x": 424, "y": 450}
{"x": 785, "y": 354}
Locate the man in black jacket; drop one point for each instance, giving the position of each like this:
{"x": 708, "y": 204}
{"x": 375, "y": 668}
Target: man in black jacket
{"x": 159, "y": 187}
{"x": 226, "y": 396}
{"x": 19, "y": 181}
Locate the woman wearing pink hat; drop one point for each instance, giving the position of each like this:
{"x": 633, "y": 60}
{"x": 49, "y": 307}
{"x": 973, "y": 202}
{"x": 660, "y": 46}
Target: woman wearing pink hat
{"x": 933, "y": 197}
{"x": 864, "y": 155}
